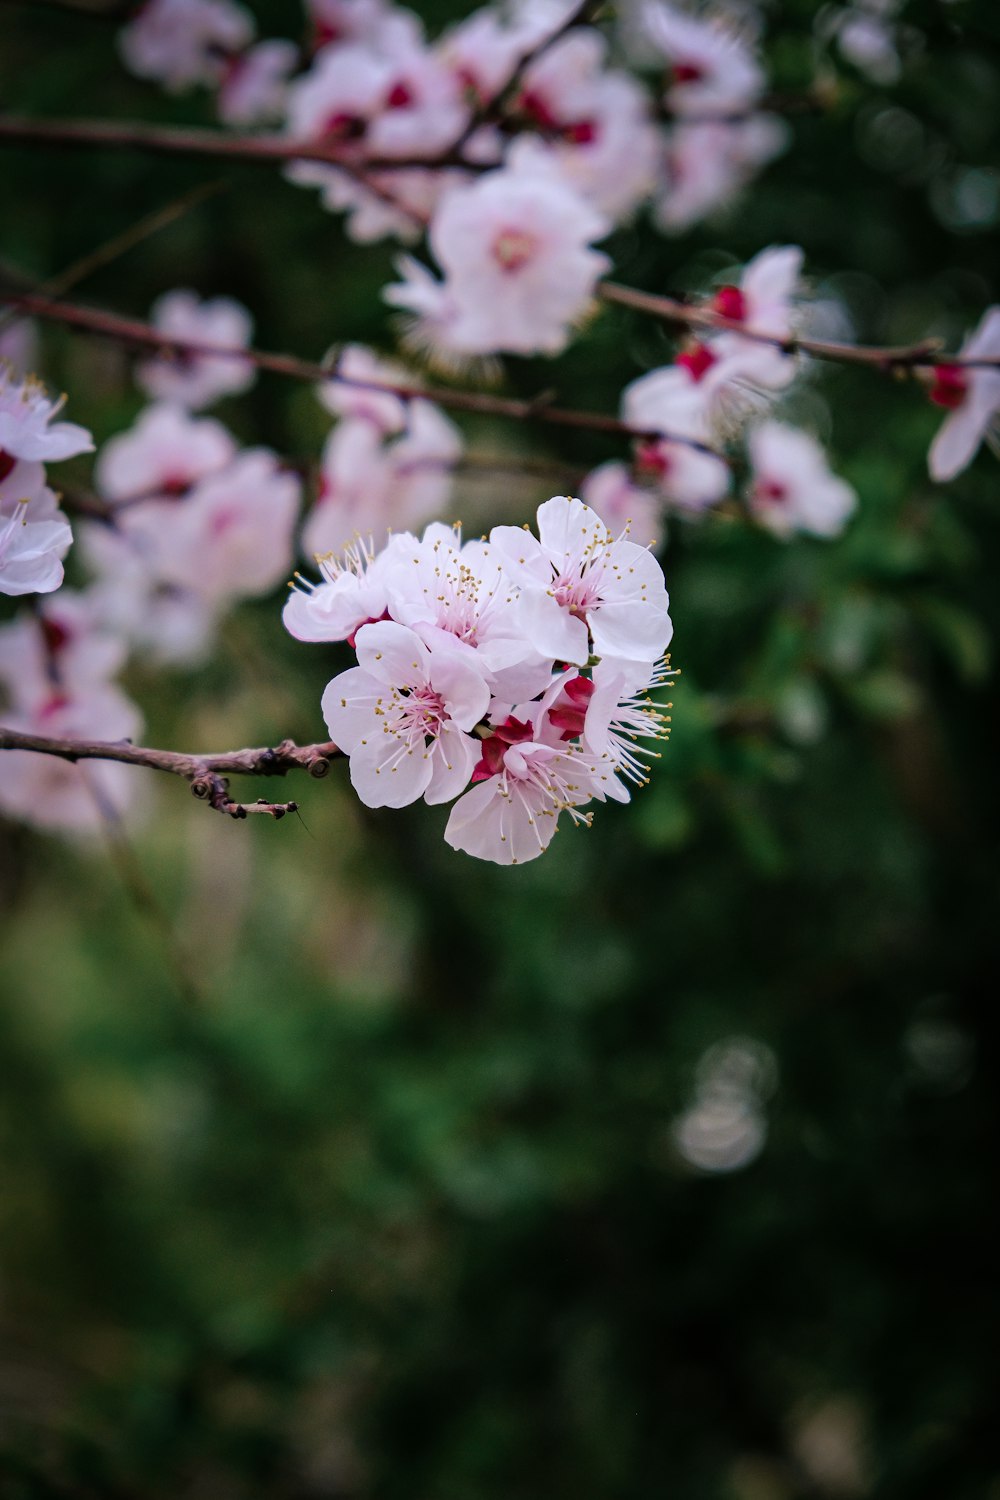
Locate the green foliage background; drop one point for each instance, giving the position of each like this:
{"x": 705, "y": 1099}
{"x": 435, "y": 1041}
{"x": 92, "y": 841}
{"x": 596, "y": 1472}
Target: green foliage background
{"x": 338, "y": 1165}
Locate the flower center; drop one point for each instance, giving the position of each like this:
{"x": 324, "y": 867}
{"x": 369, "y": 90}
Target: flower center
{"x": 687, "y": 72}
{"x": 400, "y": 96}
{"x": 771, "y": 492}
{"x": 570, "y": 712}
{"x": 536, "y": 107}
{"x": 730, "y": 302}
{"x": 697, "y": 360}
{"x": 951, "y": 385}
{"x": 651, "y": 461}
{"x": 342, "y": 126}
{"x": 7, "y": 462}
{"x": 513, "y": 249}
{"x": 495, "y": 746}
{"x": 581, "y": 133}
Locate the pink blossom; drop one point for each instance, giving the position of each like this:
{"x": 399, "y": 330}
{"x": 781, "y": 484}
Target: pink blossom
{"x": 711, "y": 69}
{"x": 596, "y": 123}
{"x": 62, "y": 645}
{"x": 351, "y": 593}
{"x": 511, "y": 817}
{"x": 180, "y": 43}
{"x": 390, "y": 99}
{"x": 254, "y": 88}
{"x": 347, "y": 20}
{"x": 164, "y": 624}
{"x": 27, "y": 430}
{"x": 792, "y": 488}
{"x": 231, "y": 537}
{"x": 482, "y": 52}
{"x": 440, "y": 586}
{"x": 19, "y": 346}
{"x": 163, "y": 454}
{"x": 368, "y": 485}
{"x": 971, "y": 397}
{"x": 619, "y": 713}
{"x": 612, "y": 493}
{"x": 581, "y": 588}
{"x": 55, "y": 668}
{"x": 196, "y": 380}
{"x": 403, "y": 716}
{"x": 34, "y": 534}
{"x": 515, "y": 250}
{"x": 708, "y": 164}
{"x": 353, "y": 391}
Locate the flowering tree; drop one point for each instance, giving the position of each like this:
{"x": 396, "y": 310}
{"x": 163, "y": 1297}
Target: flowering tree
{"x": 384, "y": 1168}
{"x": 512, "y": 145}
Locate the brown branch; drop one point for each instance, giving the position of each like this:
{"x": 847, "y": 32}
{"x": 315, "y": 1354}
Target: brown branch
{"x": 479, "y": 403}
{"x": 206, "y": 773}
{"x": 172, "y": 140}
{"x": 927, "y": 352}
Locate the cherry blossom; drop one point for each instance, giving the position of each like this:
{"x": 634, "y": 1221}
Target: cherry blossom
{"x": 597, "y": 124}
{"x": 370, "y": 485}
{"x": 353, "y": 392}
{"x": 18, "y": 345}
{"x": 180, "y": 43}
{"x": 363, "y": 100}
{"x": 34, "y": 534}
{"x": 162, "y": 623}
{"x": 618, "y": 712}
{"x": 27, "y": 429}
{"x": 163, "y": 454}
{"x": 612, "y": 493}
{"x": 971, "y": 396}
{"x": 231, "y": 537}
{"x": 582, "y": 588}
{"x": 56, "y": 667}
{"x": 403, "y": 716}
{"x": 196, "y": 380}
{"x": 708, "y": 163}
{"x": 255, "y": 86}
{"x": 440, "y": 586}
{"x": 351, "y": 593}
{"x": 711, "y": 69}
{"x": 792, "y": 487}
{"x": 515, "y": 250}
{"x": 527, "y": 778}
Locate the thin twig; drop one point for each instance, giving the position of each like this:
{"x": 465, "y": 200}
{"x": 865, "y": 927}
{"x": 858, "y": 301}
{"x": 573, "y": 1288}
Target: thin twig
{"x": 205, "y": 773}
{"x": 172, "y": 140}
{"x": 925, "y": 353}
{"x": 108, "y": 252}
{"x": 479, "y": 403}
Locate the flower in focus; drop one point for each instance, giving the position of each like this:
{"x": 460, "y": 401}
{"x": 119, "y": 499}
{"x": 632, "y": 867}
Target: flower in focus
{"x": 26, "y": 427}
{"x": 403, "y": 715}
{"x": 582, "y": 590}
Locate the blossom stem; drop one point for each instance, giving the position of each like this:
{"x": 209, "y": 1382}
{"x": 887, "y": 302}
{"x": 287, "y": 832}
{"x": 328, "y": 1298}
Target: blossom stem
{"x": 205, "y": 773}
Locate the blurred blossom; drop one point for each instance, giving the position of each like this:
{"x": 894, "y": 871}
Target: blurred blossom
{"x": 724, "y": 1128}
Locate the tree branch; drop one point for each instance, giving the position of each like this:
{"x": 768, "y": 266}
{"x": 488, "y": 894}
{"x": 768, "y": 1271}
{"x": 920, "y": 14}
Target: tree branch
{"x": 926, "y": 353}
{"x": 205, "y": 773}
{"x": 479, "y": 403}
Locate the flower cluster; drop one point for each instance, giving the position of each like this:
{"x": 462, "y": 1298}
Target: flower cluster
{"x": 34, "y": 534}
{"x": 511, "y": 673}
